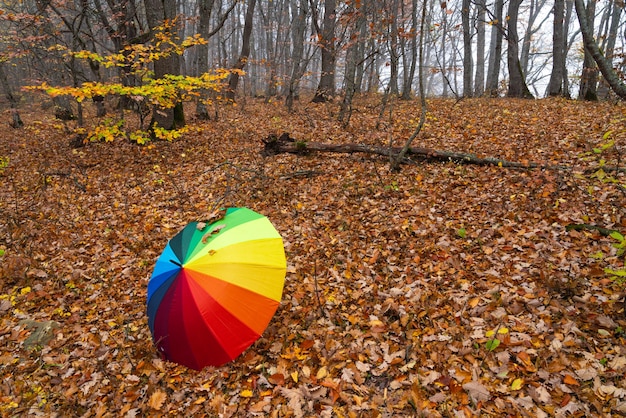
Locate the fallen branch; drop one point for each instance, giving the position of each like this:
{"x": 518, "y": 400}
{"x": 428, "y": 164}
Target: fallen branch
{"x": 579, "y": 227}
{"x": 606, "y": 169}
{"x": 285, "y": 144}
{"x": 301, "y": 173}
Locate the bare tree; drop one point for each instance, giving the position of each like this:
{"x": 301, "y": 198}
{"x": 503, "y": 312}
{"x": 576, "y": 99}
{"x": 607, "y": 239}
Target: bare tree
{"x": 159, "y": 12}
{"x": 467, "y": 49}
{"x": 609, "y": 36}
{"x": 358, "y": 20}
{"x": 409, "y": 71}
{"x": 397, "y": 159}
{"x": 555, "y": 86}
{"x": 535, "y": 11}
{"x": 517, "y": 82}
{"x": 233, "y": 79}
{"x": 589, "y": 76}
{"x": 206, "y": 9}
{"x": 591, "y": 46}
{"x": 16, "y": 121}
{"x": 393, "y": 46}
{"x": 326, "y": 38}
{"x": 495, "y": 53}
{"x": 479, "y": 78}
{"x": 300, "y": 11}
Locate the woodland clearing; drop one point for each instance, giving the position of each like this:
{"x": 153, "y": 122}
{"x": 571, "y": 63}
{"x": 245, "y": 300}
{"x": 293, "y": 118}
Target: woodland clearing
{"x": 440, "y": 290}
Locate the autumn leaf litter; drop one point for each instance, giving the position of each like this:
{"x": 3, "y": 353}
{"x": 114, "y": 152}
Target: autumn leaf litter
{"x": 398, "y": 284}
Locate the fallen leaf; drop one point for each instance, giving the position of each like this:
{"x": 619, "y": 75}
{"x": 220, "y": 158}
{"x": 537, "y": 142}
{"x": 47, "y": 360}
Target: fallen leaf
{"x": 157, "y": 399}
{"x": 477, "y": 391}
{"x": 517, "y": 384}
{"x": 277, "y": 379}
{"x": 213, "y": 231}
{"x": 569, "y": 380}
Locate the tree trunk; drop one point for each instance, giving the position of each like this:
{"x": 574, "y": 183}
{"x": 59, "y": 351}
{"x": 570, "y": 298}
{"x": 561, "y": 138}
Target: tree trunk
{"x": 345, "y": 111}
{"x": 326, "y": 88}
{"x": 608, "y": 44}
{"x": 205, "y": 9}
{"x": 517, "y": 84}
{"x": 201, "y": 65}
{"x": 364, "y": 58}
{"x": 589, "y": 76}
{"x": 16, "y": 121}
{"x": 299, "y": 12}
{"x": 535, "y": 11}
{"x": 272, "y": 19}
{"x": 444, "y": 62}
{"x": 394, "y": 53}
{"x": 467, "y": 49}
{"x": 408, "y": 85}
{"x": 233, "y": 80}
{"x": 479, "y": 79}
{"x": 120, "y": 25}
{"x": 495, "y": 53}
{"x": 400, "y": 155}
{"x": 158, "y": 12}
{"x": 569, "y": 7}
{"x": 555, "y": 86}
{"x": 611, "y": 37}
{"x": 604, "y": 65}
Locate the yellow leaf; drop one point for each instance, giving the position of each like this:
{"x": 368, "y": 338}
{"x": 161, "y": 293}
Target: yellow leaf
{"x": 246, "y": 393}
{"x": 157, "y": 399}
{"x": 321, "y": 373}
{"x": 517, "y": 384}
{"x": 503, "y": 330}
{"x": 294, "y": 376}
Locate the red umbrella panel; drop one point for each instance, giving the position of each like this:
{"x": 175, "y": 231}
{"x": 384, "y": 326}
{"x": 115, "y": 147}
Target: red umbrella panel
{"x": 215, "y": 288}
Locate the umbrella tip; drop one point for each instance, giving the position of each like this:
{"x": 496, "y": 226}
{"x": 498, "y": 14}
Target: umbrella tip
{"x": 176, "y": 262}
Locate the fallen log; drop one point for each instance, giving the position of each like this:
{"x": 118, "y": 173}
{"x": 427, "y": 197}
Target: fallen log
{"x": 275, "y": 145}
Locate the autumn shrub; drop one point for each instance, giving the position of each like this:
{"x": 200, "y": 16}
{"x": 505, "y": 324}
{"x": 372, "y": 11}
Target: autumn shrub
{"x": 618, "y": 274}
{"x": 162, "y": 93}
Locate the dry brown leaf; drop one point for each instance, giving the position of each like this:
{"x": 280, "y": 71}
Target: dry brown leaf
{"x": 477, "y": 391}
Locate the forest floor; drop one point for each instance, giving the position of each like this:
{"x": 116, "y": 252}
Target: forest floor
{"x": 440, "y": 290}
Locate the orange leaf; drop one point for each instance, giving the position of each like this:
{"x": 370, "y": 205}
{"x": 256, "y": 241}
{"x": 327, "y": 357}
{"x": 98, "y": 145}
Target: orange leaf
{"x": 306, "y": 344}
{"x": 277, "y": 379}
{"x": 569, "y": 380}
{"x": 374, "y": 257}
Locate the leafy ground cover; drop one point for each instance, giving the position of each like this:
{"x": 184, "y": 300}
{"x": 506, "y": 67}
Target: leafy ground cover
{"x": 441, "y": 290}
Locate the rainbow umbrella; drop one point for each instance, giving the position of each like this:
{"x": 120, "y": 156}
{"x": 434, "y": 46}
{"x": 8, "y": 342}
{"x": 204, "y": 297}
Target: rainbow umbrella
{"x": 215, "y": 288}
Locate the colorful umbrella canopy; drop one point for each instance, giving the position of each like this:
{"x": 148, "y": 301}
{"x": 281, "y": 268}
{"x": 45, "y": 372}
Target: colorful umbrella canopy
{"x": 215, "y": 288}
